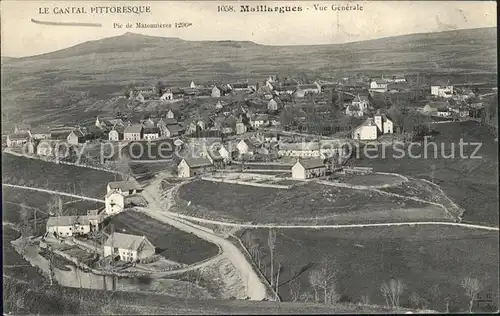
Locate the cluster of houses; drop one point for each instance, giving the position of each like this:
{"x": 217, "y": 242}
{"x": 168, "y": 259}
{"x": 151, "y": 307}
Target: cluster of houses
{"x": 126, "y": 247}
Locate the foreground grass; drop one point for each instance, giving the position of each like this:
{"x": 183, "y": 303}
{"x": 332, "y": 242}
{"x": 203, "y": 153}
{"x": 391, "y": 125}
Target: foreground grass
{"x": 429, "y": 260}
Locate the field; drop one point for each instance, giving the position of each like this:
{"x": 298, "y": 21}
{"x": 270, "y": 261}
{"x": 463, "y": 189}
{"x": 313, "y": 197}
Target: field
{"x": 311, "y": 203}
{"x": 58, "y": 177}
{"x": 170, "y": 242}
{"x": 369, "y": 179}
{"x": 422, "y": 257}
{"x": 469, "y": 182}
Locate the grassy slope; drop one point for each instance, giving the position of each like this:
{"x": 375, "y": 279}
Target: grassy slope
{"x": 468, "y": 182}
{"x": 174, "y": 244}
{"x": 65, "y": 83}
{"x": 58, "y": 177}
{"x": 421, "y": 256}
{"x": 302, "y": 204}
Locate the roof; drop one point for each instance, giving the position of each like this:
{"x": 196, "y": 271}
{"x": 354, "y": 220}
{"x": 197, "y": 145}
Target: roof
{"x": 77, "y": 133}
{"x": 40, "y": 130}
{"x": 125, "y": 241}
{"x": 135, "y": 128}
{"x": 60, "y": 135}
{"x": 380, "y": 81}
{"x": 441, "y": 83}
{"x": 110, "y": 193}
{"x": 299, "y": 146}
{"x": 124, "y": 185}
{"x": 368, "y": 122}
{"x": 312, "y": 163}
{"x": 71, "y": 220}
{"x": 119, "y": 129}
{"x": 197, "y": 162}
{"x": 208, "y": 133}
{"x": 169, "y": 121}
{"x": 239, "y": 85}
{"x": 438, "y": 104}
{"x": 22, "y": 135}
{"x": 308, "y": 86}
{"x": 151, "y": 130}
{"x": 260, "y": 117}
{"x": 174, "y": 128}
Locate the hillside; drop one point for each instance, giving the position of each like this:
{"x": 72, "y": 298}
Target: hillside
{"x": 39, "y": 87}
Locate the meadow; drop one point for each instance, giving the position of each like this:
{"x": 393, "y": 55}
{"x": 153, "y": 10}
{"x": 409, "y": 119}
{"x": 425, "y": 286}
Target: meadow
{"x": 429, "y": 260}
{"x": 312, "y": 204}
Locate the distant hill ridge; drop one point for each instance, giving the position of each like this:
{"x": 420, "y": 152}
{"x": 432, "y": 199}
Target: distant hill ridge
{"x": 134, "y": 42}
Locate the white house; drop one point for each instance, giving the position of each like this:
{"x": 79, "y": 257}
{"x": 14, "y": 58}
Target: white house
{"x": 308, "y": 168}
{"x": 219, "y": 105}
{"x": 192, "y": 85}
{"x": 226, "y": 154}
{"x": 124, "y": 187}
{"x": 259, "y": 120}
{"x": 76, "y": 137}
{"x": 378, "y": 85}
{"x": 368, "y": 130}
{"x": 38, "y": 133}
{"x": 240, "y": 128}
{"x": 151, "y": 133}
{"x": 384, "y": 124}
{"x": 116, "y": 133}
{"x": 128, "y": 247}
{"x": 304, "y": 89}
{"x": 67, "y": 226}
{"x": 133, "y": 132}
{"x": 443, "y": 90}
{"x": 167, "y": 96}
{"x": 18, "y": 139}
{"x": 172, "y": 130}
{"x": 245, "y": 147}
{"x": 216, "y": 92}
{"x": 272, "y": 105}
{"x": 191, "y": 167}
{"x": 115, "y": 202}
{"x": 170, "y": 114}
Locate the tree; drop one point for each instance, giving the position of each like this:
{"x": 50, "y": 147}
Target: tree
{"x": 294, "y": 286}
{"x": 472, "y": 287}
{"x": 271, "y": 242}
{"x": 322, "y": 279}
{"x": 392, "y": 290}
{"x": 159, "y": 87}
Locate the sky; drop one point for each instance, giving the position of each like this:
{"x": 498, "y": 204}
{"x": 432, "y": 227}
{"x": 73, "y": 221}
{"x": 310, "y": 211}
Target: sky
{"x": 21, "y": 37}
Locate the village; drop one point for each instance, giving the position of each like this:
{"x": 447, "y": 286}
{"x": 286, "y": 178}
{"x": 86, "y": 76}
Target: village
{"x": 279, "y": 134}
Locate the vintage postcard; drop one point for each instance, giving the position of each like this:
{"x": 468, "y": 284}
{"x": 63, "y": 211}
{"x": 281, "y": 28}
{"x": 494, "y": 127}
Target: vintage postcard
{"x": 236, "y": 157}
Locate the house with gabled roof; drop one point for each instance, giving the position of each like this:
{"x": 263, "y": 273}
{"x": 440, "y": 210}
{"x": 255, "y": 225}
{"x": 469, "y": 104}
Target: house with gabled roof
{"x": 76, "y": 137}
{"x": 191, "y": 167}
{"x": 68, "y": 226}
{"x": 125, "y": 188}
{"x": 151, "y": 133}
{"x": 114, "y": 201}
{"x": 41, "y": 132}
{"x": 259, "y": 120}
{"x": 378, "y": 85}
{"x": 127, "y": 247}
{"x": 133, "y": 132}
{"x": 18, "y": 139}
{"x": 116, "y": 133}
{"x": 309, "y": 168}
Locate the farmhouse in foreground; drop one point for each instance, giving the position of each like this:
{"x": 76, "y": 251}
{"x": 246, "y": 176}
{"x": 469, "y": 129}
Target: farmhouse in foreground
{"x": 190, "y": 167}
{"x": 308, "y": 168}
{"x": 68, "y": 226}
{"x": 128, "y": 247}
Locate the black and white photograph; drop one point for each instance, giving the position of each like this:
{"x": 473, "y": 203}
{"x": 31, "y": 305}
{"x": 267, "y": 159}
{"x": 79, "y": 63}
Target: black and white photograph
{"x": 249, "y": 157}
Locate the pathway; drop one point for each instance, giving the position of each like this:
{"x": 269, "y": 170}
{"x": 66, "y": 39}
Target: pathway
{"x": 52, "y": 192}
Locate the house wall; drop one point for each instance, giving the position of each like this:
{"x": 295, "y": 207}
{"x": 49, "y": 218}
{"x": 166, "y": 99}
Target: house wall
{"x": 215, "y": 93}
{"x": 388, "y": 127}
{"x": 132, "y": 136}
{"x": 151, "y": 136}
{"x": 365, "y": 133}
{"x": 242, "y": 147}
{"x": 113, "y": 135}
{"x": 68, "y": 231}
{"x": 40, "y": 136}
{"x": 114, "y": 203}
